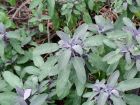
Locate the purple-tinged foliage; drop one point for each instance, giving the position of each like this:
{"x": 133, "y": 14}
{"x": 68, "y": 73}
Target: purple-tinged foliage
{"x": 3, "y": 33}
{"x": 129, "y": 53}
{"x": 102, "y": 87}
{"x": 134, "y": 31}
{"x": 103, "y": 91}
{"x": 23, "y": 95}
{"x": 76, "y": 43}
{"x": 103, "y": 24}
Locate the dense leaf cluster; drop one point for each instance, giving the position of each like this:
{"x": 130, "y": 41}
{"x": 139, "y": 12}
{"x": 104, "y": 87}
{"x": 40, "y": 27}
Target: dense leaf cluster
{"x": 70, "y": 52}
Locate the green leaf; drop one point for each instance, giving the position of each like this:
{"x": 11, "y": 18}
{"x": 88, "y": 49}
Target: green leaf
{"x": 63, "y": 36}
{"x": 31, "y": 70}
{"x": 117, "y": 100}
{"x": 109, "y": 43}
{"x": 45, "y": 48}
{"x": 96, "y": 61}
{"x": 138, "y": 64}
{"x": 91, "y": 4}
{"x": 128, "y": 22}
{"x": 47, "y": 67}
{"x": 51, "y": 7}
{"x": 34, "y": 3}
{"x": 94, "y": 41}
{"x": 111, "y": 68}
{"x": 132, "y": 99}
{"x": 4, "y": 86}
{"x": 101, "y": 21}
{"x": 31, "y": 83}
{"x": 41, "y": 27}
{"x": 79, "y": 87}
{"x": 81, "y": 30}
{"x": 113, "y": 58}
{"x": 131, "y": 73}
{"x": 88, "y": 103}
{"x": 39, "y": 99}
{"x": 14, "y": 34}
{"x": 23, "y": 59}
{"x": 80, "y": 69}
{"x": 73, "y": 99}
{"x": 2, "y": 48}
{"x": 129, "y": 84}
{"x": 52, "y": 13}
{"x": 112, "y": 81}
{"x": 12, "y": 2}
{"x": 8, "y": 98}
{"x": 102, "y": 98}
{"x": 12, "y": 79}
{"x": 64, "y": 59}
{"x": 128, "y": 58}
{"x": 17, "y": 46}
{"x": 117, "y": 35}
{"x": 38, "y": 60}
{"x": 86, "y": 17}
{"x": 63, "y": 85}
{"x": 88, "y": 94}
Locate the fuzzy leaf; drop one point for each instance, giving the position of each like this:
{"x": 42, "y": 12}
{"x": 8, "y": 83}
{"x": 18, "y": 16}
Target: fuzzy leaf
{"x": 81, "y": 31}
{"x": 129, "y": 84}
{"x": 64, "y": 59}
{"x": 132, "y": 99}
{"x": 12, "y": 79}
{"x": 47, "y": 67}
{"x": 39, "y": 99}
{"x": 128, "y": 23}
{"x": 80, "y": 69}
{"x": 63, "y": 36}
{"x": 63, "y": 82}
{"x": 94, "y": 41}
{"x": 113, "y": 79}
{"x": 102, "y": 98}
{"x": 117, "y": 100}
{"x": 45, "y": 48}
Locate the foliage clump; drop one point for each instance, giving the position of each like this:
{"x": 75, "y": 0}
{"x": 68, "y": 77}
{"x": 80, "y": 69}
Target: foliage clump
{"x": 70, "y": 52}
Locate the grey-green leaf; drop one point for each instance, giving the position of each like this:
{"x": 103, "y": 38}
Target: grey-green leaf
{"x": 8, "y": 97}
{"x": 12, "y": 79}
{"x": 117, "y": 100}
{"x": 47, "y": 67}
{"x": 88, "y": 103}
{"x": 94, "y": 41}
{"x": 128, "y": 22}
{"x": 31, "y": 70}
{"x": 132, "y": 99}
{"x": 81, "y": 31}
{"x": 63, "y": 82}
{"x": 80, "y": 69}
{"x": 38, "y": 60}
{"x": 39, "y": 99}
{"x": 102, "y": 98}
{"x": 45, "y": 48}
{"x": 64, "y": 58}
{"x": 113, "y": 79}
{"x": 129, "y": 84}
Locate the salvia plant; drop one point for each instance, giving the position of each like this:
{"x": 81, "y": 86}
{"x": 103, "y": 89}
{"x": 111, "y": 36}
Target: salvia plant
{"x": 110, "y": 91}
{"x": 70, "y": 52}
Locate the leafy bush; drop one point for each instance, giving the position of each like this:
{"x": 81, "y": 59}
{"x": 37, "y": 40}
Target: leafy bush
{"x": 70, "y": 52}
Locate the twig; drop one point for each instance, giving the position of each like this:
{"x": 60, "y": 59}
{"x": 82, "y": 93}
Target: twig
{"x": 48, "y": 31}
{"x": 18, "y": 9}
{"x": 11, "y": 10}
